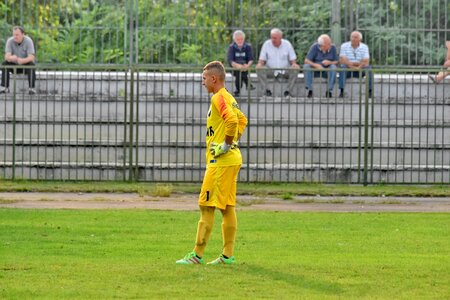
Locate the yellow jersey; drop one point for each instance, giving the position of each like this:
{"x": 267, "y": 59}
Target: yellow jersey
{"x": 224, "y": 118}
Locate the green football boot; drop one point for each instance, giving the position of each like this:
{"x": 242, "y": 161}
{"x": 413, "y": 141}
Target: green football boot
{"x": 190, "y": 259}
{"x": 222, "y": 261}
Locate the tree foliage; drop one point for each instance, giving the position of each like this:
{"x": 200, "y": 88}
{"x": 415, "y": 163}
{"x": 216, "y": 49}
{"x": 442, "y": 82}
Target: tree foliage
{"x": 405, "y": 32}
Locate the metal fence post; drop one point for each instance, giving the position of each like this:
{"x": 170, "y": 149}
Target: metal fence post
{"x": 125, "y": 114}
{"x": 336, "y": 22}
{"x": 248, "y": 131}
{"x": 131, "y": 120}
{"x": 14, "y": 124}
{"x": 136, "y": 139}
{"x": 366, "y": 131}
{"x": 131, "y": 29}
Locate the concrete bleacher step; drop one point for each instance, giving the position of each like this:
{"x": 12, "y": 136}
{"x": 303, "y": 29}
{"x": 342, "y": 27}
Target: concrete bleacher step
{"x": 253, "y": 172}
{"x": 77, "y": 127}
{"x": 332, "y": 153}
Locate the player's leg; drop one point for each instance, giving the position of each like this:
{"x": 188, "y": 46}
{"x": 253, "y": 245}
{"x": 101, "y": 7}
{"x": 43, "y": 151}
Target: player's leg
{"x": 441, "y": 76}
{"x": 237, "y": 82}
{"x": 263, "y": 75}
{"x": 5, "y": 77}
{"x": 229, "y": 219}
{"x": 229, "y": 227}
{"x": 205, "y": 224}
{"x": 292, "y": 80}
{"x": 204, "y": 229}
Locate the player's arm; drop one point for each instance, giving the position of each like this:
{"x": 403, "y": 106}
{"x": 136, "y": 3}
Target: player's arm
{"x": 28, "y": 59}
{"x": 364, "y": 62}
{"x": 447, "y": 57}
{"x": 10, "y": 57}
{"x": 261, "y": 63}
{"x": 231, "y": 126}
{"x": 8, "y": 52}
{"x": 242, "y": 124}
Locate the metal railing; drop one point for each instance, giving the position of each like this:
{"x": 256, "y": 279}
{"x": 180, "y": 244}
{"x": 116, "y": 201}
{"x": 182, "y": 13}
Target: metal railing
{"x": 407, "y": 32}
{"x": 147, "y": 123}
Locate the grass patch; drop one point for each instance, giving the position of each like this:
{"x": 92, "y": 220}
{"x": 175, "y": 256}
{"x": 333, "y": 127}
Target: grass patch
{"x": 393, "y": 202}
{"x": 163, "y": 190}
{"x": 249, "y": 202}
{"x": 256, "y": 189}
{"x": 7, "y": 201}
{"x": 287, "y": 196}
{"x": 335, "y": 201}
{"x": 308, "y": 200}
{"x": 90, "y": 254}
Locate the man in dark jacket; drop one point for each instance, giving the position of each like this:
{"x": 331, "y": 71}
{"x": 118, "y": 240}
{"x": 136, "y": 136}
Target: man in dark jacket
{"x": 240, "y": 57}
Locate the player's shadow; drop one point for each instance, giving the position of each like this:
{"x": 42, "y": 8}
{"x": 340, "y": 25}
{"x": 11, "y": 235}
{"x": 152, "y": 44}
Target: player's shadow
{"x": 299, "y": 281}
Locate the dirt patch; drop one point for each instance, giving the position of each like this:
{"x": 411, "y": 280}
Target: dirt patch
{"x": 188, "y": 202}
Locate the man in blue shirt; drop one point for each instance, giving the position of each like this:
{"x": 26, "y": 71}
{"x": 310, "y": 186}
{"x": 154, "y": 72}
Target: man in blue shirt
{"x": 354, "y": 55}
{"x": 240, "y": 57}
{"x": 322, "y": 55}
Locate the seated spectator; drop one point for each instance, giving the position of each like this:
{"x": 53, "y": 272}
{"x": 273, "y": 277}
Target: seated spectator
{"x": 322, "y": 55}
{"x": 441, "y": 75}
{"x": 240, "y": 57}
{"x": 354, "y": 55}
{"x": 277, "y": 53}
{"x": 19, "y": 50}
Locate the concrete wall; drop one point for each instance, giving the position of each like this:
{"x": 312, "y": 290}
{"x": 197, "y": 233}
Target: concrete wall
{"x": 78, "y": 127}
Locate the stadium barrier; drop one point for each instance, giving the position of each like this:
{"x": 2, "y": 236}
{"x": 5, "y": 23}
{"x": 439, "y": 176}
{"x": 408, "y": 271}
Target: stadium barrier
{"x": 146, "y": 123}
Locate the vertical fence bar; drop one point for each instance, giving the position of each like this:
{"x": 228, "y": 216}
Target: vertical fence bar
{"x": 14, "y": 125}
{"x": 366, "y": 133}
{"x": 359, "y": 128}
{"x": 137, "y": 125}
{"x": 130, "y": 141}
{"x": 249, "y": 132}
{"x": 125, "y": 116}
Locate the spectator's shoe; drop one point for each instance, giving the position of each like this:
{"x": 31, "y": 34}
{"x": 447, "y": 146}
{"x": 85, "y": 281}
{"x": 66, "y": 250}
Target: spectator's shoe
{"x": 286, "y": 94}
{"x": 190, "y": 259}
{"x": 32, "y": 91}
{"x": 4, "y": 91}
{"x": 251, "y": 87}
{"x": 222, "y": 261}
{"x": 268, "y": 93}
{"x": 310, "y": 94}
{"x": 328, "y": 94}
{"x": 432, "y": 78}
{"x": 341, "y": 94}
{"x": 236, "y": 93}
{"x": 370, "y": 93}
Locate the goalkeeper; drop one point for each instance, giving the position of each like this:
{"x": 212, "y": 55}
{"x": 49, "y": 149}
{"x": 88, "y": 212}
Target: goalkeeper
{"x": 225, "y": 124}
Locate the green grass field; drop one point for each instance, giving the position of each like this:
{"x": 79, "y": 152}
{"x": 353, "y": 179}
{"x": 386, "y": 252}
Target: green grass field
{"x": 257, "y": 189}
{"x": 91, "y": 254}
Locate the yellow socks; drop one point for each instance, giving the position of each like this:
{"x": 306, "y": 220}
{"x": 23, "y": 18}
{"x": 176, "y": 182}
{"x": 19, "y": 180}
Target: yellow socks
{"x": 229, "y": 226}
{"x": 204, "y": 229}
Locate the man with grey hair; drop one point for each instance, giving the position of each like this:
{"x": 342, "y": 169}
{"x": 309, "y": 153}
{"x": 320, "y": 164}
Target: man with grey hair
{"x": 19, "y": 50}
{"x": 355, "y": 56}
{"x": 240, "y": 57}
{"x": 321, "y": 56}
{"x": 441, "y": 75}
{"x": 277, "y": 60}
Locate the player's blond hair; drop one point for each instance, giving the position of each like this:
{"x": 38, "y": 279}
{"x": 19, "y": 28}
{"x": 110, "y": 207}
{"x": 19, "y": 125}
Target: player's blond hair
{"x": 215, "y": 68}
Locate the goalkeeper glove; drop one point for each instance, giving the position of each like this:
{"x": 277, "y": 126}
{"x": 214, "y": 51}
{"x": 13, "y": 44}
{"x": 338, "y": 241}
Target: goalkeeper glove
{"x": 217, "y": 150}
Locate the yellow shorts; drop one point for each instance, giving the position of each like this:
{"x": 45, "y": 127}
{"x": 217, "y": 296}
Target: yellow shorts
{"x": 219, "y": 187}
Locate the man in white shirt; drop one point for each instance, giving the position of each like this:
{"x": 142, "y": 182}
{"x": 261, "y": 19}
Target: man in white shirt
{"x": 277, "y": 53}
{"x": 354, "y": 55}
{"x": 441, "y": 75}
